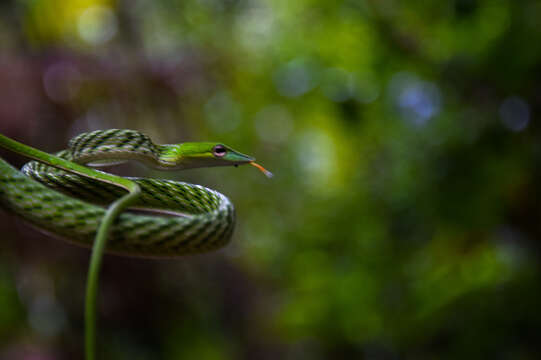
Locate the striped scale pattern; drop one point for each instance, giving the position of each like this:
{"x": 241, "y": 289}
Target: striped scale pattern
{"x": 119, "y": 141}
{"x": 117, "y": 144}
{"x": 170, "y": 219}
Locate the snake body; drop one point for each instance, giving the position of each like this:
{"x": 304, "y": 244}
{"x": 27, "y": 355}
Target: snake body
{"x": 72, "y": 206}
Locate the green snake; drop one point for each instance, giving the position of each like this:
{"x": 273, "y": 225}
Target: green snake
{"x": 60, "y": 195}
{"x": 70, "y": 206}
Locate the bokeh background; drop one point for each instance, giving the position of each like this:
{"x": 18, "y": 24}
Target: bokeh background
{"x": 404, "y": 218}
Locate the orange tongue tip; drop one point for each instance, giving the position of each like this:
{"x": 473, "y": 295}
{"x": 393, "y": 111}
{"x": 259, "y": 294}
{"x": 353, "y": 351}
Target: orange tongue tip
{"x": 262, "y": 169}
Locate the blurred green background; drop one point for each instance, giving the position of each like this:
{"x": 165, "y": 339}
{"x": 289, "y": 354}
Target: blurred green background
{"x": 404, "y": 218}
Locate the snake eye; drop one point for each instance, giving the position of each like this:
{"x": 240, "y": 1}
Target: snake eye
{"x": 219, "y": 151}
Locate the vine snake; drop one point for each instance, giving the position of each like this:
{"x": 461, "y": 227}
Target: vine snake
{"x": 60, "y": 195}
{"x": 70, "y": 206}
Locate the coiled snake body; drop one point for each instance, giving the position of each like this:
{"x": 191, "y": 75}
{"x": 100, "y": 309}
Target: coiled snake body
{"x": 71, "y": 206}
{"x": 63, "y": 197}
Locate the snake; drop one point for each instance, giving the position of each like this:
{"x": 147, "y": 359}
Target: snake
{"x": 168, "y": 219}
{"x": 65, "y": 195}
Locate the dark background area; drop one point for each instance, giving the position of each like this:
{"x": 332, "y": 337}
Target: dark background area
{"x": 403, "y": 221}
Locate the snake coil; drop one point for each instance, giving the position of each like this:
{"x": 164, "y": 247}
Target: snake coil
{"x": 71, "y": 206}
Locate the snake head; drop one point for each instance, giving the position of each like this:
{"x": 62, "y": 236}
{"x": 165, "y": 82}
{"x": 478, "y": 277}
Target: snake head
{"x": 202, "y": 154}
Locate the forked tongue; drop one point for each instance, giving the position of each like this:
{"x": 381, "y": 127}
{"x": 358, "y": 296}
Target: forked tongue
{"x": 262, "y": 169}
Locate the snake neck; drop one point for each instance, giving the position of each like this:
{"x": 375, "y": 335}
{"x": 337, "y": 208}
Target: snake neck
{"x": 113, "y": 146}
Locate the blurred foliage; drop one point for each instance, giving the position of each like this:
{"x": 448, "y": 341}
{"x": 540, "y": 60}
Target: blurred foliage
{"x": 403, "y": 220}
